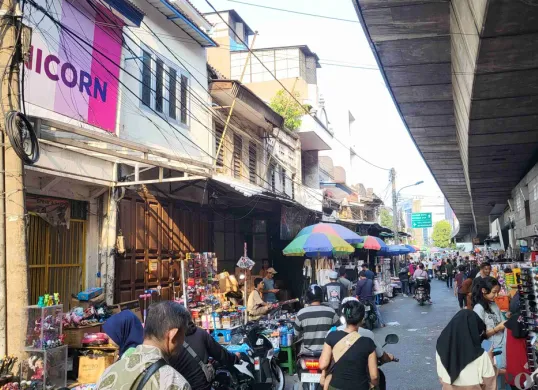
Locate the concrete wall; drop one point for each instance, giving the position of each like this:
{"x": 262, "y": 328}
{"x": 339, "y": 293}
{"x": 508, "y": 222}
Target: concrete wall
{"x": 527, "y": 190}
{"x": 137, "y": 122}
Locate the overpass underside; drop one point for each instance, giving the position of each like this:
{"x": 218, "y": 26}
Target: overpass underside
{"x": 464, "y": 77}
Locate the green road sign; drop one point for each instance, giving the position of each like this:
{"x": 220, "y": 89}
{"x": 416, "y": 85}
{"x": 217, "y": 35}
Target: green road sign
{"x": 421, "y": 220}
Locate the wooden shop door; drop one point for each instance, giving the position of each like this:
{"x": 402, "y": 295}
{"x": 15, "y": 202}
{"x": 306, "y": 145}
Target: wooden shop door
{"x": 157, "y": 234}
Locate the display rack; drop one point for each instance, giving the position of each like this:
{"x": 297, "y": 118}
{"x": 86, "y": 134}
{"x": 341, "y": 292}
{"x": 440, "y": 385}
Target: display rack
{"x": 528, "y": 305}
{"x": 46, "y": 356}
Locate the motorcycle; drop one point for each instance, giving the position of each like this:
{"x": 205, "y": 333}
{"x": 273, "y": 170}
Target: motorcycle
{"x": 308, "y": 369}
{"x": 390, "y": 339}
{"x": 258, "y": 367}
{"x": 370, "y": 316}
{"x": 420, "y": 291}
{"x": 444, "y": 277}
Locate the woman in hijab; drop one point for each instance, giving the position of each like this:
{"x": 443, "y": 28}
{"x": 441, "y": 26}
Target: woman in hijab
{"x": 125, "y": 330}
{"x": 461, "y": 361}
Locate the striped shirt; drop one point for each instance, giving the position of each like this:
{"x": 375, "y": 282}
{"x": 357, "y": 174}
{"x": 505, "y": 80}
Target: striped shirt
{"x": 312, "y": 324}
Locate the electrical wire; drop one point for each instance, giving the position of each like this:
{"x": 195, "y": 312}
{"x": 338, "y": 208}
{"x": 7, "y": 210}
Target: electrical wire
{"x": 296, "y": 12}
{"x": 280, "y": 83}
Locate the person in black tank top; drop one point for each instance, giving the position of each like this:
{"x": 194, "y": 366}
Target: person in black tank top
{"x": 357, "y": 367}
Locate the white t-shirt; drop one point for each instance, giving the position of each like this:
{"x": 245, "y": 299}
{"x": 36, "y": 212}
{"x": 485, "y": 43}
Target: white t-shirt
{"x": 430, "y": 264}
{"x": 479, "y": 374}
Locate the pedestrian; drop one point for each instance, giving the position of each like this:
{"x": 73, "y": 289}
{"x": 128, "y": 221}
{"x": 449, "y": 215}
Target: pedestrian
{"x": 355, "y": 359}
{"x": 369, "y": 274}
{"x": 449, "y": 273}
{"x": 344, "y": 280}
{"x": 462, "y": 363}
{"x": 485, "y": 272}
{"x": 430, "y": 268}
{"x": 364, "y": 291}
{"x": 334, "y": 291}
{"x": 458, "y": 288}
{"x": 125, "y": 330}
{"x": 404, "y": 280}
{"x": 467, "y": 288}
{"x": 484, "y": 294}
{"x": 164, "y": 333}
{"x": 412, "y": 269}
{"x": 269, "y": 292}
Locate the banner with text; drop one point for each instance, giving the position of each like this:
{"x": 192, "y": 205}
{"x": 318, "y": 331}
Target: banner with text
{"x": 73, "y": 67}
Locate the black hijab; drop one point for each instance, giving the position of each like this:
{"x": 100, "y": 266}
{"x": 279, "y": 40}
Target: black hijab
{"x": 460, "y": 342}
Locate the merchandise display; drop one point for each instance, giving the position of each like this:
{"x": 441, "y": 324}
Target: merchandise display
{"x": 527, "y": 293}
{"x": 44, "y": 327}
{"x": 46, "y": 362}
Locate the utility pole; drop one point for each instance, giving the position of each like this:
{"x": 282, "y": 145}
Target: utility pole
{"x": 12, "y": 174}
{"x": 394, "y": 206}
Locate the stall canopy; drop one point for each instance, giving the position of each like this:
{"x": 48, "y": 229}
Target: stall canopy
{"x": 318, "y": 244}
{"x": 332, "y": 228}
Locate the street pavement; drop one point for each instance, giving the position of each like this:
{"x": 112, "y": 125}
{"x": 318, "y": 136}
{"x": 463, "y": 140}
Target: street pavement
{"x": 418, "y": 329}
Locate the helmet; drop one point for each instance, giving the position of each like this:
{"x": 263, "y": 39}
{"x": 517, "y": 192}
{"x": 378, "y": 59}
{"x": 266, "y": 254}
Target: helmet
{"x": 314, "y": 294}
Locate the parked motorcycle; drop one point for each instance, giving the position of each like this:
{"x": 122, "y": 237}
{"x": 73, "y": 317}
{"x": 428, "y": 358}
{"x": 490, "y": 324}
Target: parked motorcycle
{"x": 370, "y": 316}
{"x": 390, "y": 339}
{"x": 258, "y": 367}
{"x": 421, "y": 295}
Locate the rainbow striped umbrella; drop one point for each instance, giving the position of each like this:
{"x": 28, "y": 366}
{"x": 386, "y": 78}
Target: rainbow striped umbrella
{"x": 334, "y": 229}
{"x": 318, "y": 244}
{"x": 373, "y": 243}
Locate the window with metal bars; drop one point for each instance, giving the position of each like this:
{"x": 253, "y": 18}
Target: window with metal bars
{"x": 252, "y": 162}
{"x": 237, "y": 156}
{"x": 219, "y": 130}
{"x": 293, "y": 186}
{"x": 159, "y": 99}
{"x": 283, "y": 174}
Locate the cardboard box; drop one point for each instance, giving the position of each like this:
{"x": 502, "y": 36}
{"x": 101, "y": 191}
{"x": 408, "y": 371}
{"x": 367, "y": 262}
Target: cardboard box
{"x": 90, "y": 368}
{"x": 133, "y": 306}
{"x": 73, "y": 336}
{"x": 85, "y": 304}
{"x": 227, "y": 282}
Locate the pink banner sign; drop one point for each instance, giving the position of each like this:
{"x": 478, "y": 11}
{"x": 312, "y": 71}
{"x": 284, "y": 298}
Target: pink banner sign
{"x": 74, "y": 70}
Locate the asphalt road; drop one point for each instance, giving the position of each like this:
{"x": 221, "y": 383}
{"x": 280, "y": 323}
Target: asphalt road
{"x": 418, "y": 329}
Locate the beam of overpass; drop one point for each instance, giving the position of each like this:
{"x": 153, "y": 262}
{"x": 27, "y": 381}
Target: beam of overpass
{"x": 464, "y": 77}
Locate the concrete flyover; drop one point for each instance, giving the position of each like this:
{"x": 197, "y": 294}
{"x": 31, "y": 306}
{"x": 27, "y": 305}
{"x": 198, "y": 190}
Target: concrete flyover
{"x": 464, "y": 77}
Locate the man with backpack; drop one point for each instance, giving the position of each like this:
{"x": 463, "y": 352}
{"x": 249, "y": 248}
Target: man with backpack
{"x": 164, "y": 333}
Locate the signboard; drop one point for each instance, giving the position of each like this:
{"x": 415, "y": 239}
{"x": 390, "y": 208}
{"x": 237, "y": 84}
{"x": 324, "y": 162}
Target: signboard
{"x": 421, "y": 220}
{"x": 73, "y": 79}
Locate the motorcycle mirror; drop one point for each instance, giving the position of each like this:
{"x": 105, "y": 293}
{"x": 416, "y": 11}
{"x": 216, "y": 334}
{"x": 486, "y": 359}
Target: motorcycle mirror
{"x": 392, "y": 339}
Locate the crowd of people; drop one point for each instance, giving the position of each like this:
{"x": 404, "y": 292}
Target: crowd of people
{"x": 494, "y": 352}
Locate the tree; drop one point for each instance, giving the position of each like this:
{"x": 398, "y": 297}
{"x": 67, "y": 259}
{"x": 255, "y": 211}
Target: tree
{"x": 386, "y": 218}
{"x": 441, "y": 234}
{"x": 288, "y": 108}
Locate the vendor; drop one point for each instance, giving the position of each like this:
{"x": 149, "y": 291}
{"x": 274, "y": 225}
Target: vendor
{"x": 256, "y": 307}
{"x": 269, "y": 290}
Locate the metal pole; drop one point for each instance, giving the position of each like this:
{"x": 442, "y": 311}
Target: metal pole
{"x": 223, "y": 137}
{"x": 185, "y": 295}
{"x": 394, "y": 206}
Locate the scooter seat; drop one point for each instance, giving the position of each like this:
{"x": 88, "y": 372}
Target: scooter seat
{"x": 313, "y": 354}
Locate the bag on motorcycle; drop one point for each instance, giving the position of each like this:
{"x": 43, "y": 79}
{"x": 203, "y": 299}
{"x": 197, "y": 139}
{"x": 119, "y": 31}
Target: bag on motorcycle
{"x": 208, "y": 369}
{"x": 339, "y": 350}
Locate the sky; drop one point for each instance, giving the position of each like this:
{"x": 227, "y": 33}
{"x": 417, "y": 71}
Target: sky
{"x": 382, "y": 137}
